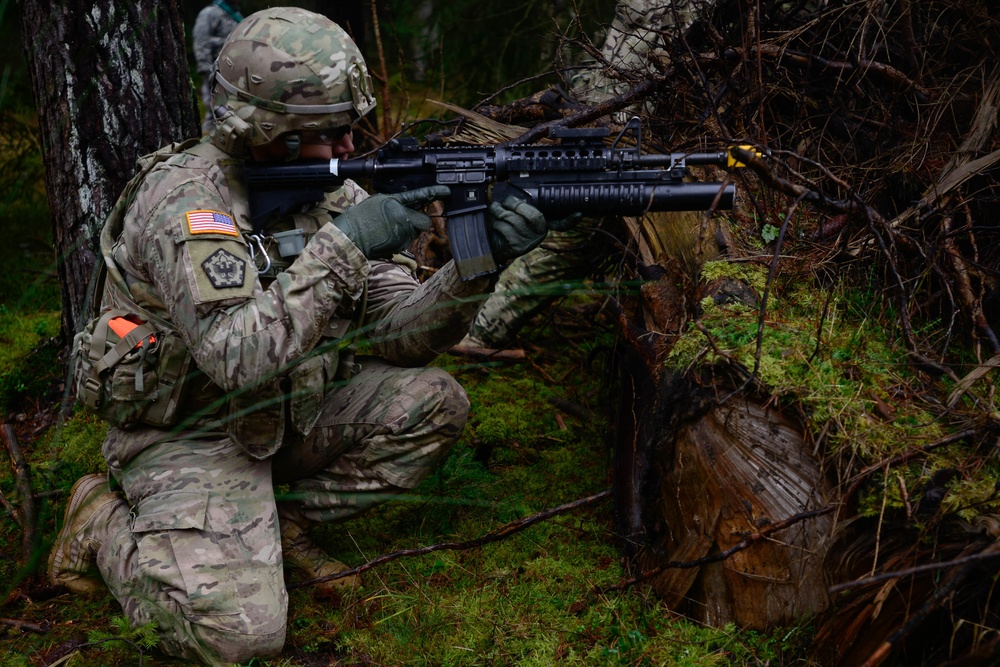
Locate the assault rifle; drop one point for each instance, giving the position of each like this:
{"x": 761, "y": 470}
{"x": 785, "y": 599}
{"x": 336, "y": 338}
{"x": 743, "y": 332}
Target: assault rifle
{"x": 579, "y": 173}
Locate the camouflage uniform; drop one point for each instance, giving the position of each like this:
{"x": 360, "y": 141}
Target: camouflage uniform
{"x": 196, "y": 546}
{"x": 637, "y": 31}
{"x": 278, "y": 396}
{"x": 535, "y": 280}
{"x": 211, "y": 27}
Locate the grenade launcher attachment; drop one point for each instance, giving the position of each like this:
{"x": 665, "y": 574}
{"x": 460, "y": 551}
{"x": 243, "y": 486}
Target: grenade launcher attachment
{"x": 578, "y": 173}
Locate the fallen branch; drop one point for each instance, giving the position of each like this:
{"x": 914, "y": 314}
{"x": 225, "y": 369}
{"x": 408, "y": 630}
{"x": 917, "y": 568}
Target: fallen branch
{"x": 745, "y": 543}
{"x": 494, "y": 536}
{"x": 27, "y": 626}
{"x": 24, "y": 490}
{"x": 487, "y": 353}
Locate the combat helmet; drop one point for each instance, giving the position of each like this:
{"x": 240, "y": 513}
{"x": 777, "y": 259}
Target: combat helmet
{"x": 283, "y": 70}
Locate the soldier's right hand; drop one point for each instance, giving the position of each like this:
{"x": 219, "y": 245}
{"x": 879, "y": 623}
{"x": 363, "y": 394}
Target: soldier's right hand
{"x": 384, "y": 225}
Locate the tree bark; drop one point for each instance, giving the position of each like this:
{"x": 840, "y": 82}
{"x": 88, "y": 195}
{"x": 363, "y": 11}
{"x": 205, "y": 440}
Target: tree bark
{"x": 111, "y": 83}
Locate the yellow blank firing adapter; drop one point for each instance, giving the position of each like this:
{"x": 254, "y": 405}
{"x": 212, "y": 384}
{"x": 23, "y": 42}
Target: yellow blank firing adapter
{"x": 733, "y": 162}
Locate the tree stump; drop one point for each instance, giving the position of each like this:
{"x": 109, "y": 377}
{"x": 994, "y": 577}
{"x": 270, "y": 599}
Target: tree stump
{"x": 729, "y": 474}
{"x": 697, "y": 473}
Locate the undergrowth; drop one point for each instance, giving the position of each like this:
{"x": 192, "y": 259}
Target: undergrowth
{"x": 535, "y": 597}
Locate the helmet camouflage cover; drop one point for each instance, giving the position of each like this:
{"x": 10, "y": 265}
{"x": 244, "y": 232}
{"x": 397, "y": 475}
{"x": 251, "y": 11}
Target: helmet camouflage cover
{"x": 287, "y": 69}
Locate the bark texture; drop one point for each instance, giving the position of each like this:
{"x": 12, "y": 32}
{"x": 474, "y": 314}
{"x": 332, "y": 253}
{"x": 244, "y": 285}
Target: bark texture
{"x": 733, "y": 472}
{"x": 111, "y": 83}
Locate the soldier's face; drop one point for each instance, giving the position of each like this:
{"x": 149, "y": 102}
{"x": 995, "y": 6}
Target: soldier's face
{"x": 326, "y": 145}
{"x": 313, "y": 145}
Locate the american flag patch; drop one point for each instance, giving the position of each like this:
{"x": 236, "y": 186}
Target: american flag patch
{"x": 211, "y": 222}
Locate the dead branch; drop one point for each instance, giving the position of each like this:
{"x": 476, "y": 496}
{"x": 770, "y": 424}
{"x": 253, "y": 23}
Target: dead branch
{"x": 945, "y": 184}
{"x": 549, "y": 104}
{"x": 864, "y": 66}
{"x": 591, "y": 114}
{"x": 23, "y": 477}
{"x": 966, "y": 567}
{"x": 904, "y": 457}
{"x": 987, "y": 554}
{"x": 971, "y": 378}
{"x": 970, "y": 302}
{"x": 387, "y": 121}
{"x": 493, "y": 536}
{"x": 10, "y": 508}
{"x": 27, "y": 626}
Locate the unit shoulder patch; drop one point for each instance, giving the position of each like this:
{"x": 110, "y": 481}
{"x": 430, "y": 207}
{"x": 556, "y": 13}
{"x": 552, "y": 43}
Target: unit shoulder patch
{"x": 224, "y": 269}
{"x": 210, "y": 222}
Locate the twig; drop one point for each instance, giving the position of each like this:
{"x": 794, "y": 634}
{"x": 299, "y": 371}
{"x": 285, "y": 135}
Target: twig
{"x": 946, "y": 589}
{"x": 10, "y": 508}
{"x": 27, "y": 626}
{"x": 904, "y": 457}
{"x": 745, "y": 543}
{"x": 984, "y": 555}
{"x": 783, "y": 54}
{"x": 762, "y": 309}
{"x": 23, "y": 488}
{"x": 386, "y": 105}
{"x": 494, "y": 536}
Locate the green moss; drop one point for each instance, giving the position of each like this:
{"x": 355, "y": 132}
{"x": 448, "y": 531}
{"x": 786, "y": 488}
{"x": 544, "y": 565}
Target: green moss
{"x": 846, "y": 372}
{"x": 75, "y": 446}
{"x": 29, "y": 363}
{"x": 753, "y": 275}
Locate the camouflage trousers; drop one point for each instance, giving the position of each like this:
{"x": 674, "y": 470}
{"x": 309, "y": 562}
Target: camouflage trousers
{"x": 196, "y": 547}
{"x": 533, "y": 281}
{"x": 208, "y": 121}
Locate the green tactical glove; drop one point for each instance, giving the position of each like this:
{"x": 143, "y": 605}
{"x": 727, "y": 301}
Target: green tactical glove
{"x": 516, "y": 227}
{"x": 383, "y": 225}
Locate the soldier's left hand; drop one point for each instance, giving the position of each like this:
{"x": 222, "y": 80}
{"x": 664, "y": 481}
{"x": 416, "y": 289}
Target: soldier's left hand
{"x": 517, "y": 227}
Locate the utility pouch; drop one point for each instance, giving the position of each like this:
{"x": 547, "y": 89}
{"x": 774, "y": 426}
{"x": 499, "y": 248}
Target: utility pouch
{"x": 127, "y": 372}
{"x": 256, "y": 420}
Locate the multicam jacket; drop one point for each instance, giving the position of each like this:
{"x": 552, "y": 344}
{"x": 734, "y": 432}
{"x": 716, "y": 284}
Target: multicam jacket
{"x": 213, "y": 24}
{"x": 187, "y": 256}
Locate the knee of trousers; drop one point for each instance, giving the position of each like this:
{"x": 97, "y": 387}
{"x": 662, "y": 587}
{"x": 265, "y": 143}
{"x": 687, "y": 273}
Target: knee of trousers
{"x": 434, "y": 422}
{"x": 447, "y": 407}
{"x": 214, "y": 646}
{"x": 212, "y": 583}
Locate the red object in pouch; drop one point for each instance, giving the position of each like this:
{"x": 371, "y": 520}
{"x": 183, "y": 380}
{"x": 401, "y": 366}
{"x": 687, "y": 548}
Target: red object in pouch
{"x": 123, "y": 326}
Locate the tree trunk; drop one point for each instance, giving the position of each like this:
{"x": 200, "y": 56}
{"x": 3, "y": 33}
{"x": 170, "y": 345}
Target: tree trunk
{"x": 111, "y": 83}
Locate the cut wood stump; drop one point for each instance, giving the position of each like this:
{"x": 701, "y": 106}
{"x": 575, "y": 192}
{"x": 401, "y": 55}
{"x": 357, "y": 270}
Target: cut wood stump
{"x": 730, "y": 473}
